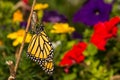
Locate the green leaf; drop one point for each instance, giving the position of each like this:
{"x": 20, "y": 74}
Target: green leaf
{"x": 87, "y": 34}
{"x": 70, "y": 44}
{"x": 69, "y": 76}
{"x": 91, "y": 50}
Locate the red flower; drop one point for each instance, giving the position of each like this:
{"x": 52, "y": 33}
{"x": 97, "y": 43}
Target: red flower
{"x": 103, "y": 32}
{"x": 98, "y": 41}
{"x": 74, "y": 55}
{"x": 111, "y": 26}
{"x": 25, "y": 1}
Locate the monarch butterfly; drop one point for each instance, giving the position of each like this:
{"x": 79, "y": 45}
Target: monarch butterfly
{"x": 40, "y": 48}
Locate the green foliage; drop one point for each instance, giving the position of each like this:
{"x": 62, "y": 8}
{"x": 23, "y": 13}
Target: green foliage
{"x": 91, "y": 50}
{"x": 5, "y": 9}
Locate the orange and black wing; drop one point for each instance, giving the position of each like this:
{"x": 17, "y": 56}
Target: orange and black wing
{"x": 40, "y": 48}
{"x": 48, "y": 66}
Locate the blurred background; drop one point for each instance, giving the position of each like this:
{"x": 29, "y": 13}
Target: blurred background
{"x": 85, "y": 35}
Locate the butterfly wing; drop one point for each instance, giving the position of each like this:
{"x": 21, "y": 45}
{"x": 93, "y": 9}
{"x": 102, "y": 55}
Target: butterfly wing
{"x": 40, "y": 48}
{"x": 48, "y": 66}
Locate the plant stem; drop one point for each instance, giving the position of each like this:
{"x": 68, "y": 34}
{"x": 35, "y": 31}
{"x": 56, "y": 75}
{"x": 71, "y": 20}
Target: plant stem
{"x": 26, "y": 31}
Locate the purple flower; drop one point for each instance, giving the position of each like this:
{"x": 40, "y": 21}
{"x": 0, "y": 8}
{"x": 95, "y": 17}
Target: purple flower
{"x": 92, "y": 12}
{"x": 54, "y": 17}
{"x": 23, "y": 24}
{"x": 76, "y": 35}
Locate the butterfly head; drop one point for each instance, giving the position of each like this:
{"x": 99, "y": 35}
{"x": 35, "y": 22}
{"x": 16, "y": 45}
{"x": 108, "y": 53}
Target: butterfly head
{"x": 39, "y": 28}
